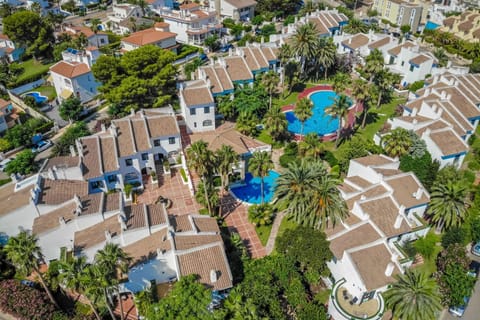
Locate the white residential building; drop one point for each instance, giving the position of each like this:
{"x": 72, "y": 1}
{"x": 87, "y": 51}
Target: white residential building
{"x": 386, "y": 208}
{"x": 98, "y": 39}
{"x": 198, "y": 106}
{"x": 8, "y": 49}
{"x": 444, "y": 114}
{"x": 238, "y": 10}
{"x": 159, "y": 35}
{"x": 192, "y": 23}
{"x": 121, "y": 15}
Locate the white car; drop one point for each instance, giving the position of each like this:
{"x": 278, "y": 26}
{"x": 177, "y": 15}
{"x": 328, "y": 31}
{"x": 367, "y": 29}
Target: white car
{"x": 3, "y": 163}
{"x": 42, "y": 146}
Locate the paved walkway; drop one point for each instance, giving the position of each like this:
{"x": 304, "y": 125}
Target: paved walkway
{"x": 274, "y": 232}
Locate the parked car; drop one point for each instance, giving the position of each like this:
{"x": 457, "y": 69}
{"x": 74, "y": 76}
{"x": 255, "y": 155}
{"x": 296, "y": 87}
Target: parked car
{"x": 28, "y": 283}
{"x": 226, "y": 47}
{"x": 476, "y": 249}
{"x": 42, "y": 146}
{"x": 3, "y": 163}
{"x": 460, "y": 310}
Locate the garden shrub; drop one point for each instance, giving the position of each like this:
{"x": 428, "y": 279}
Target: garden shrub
{"x": 286, "y": 159}
{"x": 426, "y": 246}
{"x": 25, "y": 302}
{"x": 261, "y": 215}
{"x": 330, "y": 158}
{"x": 454, "y": 235}
{"x": 183, "y": 174}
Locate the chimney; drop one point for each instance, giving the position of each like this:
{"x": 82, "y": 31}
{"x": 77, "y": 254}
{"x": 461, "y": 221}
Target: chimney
{"x": 350, "y": 40}
{"x": 103, "y": 127}
{"x": 73, "y": 153}
{"x": 122, "y": 223}
{"x": 108, "y": 235}
{"x": 419, "y": 193}
{"x": 213, "y": 276}
{"x": 434, "y": 107}
{"x": 123, "y": 215}
{"x": 415, "y": 121}
{"x": 414, "y": 112}
{"x": 362, "y": 197}
{"x": 427, "y": 92}
{"x": 439, "y": 112}
{"x": 61, "y": 221}
{"x": 51, "y": 174}
{"x": 398, "y": 221}
{"x": 389, "y": 269}
{"x": 78, "y": 202}
{"x": 449, "y": 96}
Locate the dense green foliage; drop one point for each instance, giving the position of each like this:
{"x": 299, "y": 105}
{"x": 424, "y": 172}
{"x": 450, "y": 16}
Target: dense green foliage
{"x": 71, "y": 109}
{"x": 21, "y": 135}
{"x": 24, "y": 163}
{"x": 72, "y": 133}
{"x": 454, "y": 235}
{"x": 261, "y": 215}
{"x": 424, "y": 168}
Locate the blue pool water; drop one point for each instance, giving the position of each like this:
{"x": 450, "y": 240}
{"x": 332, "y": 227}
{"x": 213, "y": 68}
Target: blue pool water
{"x": 37, "y": 96}
{"x": 3, "y": 239}
{"x": 431, "y": 25}
{"x": 251, "y": 191}
{"x": 320, "y": 122}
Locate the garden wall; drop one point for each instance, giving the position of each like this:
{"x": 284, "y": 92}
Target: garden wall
{"x": 18, "y": 103}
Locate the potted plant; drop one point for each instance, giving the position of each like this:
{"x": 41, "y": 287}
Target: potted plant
{"x": 166, "y": 167}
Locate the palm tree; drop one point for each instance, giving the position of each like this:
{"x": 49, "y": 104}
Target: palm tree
{"x": 311, "y": 146}
{"x": 291, "y": 74}
{"x": 259, "y": 165}
{"x": 303, "y": 111}
{"x": 72, "y": 275}
{"x": 414, "y": 296}
{"x": 270, "y": 81}
{"x": 305, "y": 44}
{"x": 96, "y": 282}
{"x": 374, "y": 63}
{"x": 339, "y": 110}
{"x": 355, "y": 26}
{"x": 110, "y": 260}
{"x": 326, "y": 53}
{"x": 448, "y": 204}
{"x": 275, "y": 122}
{"x": 361, "y": 91}
{"x": 441, "y": 56}
{"x": 384, "y": 81}
{"x": 24, "y": 253}
{"x": 95, "y": 23}
{"x": 200, "y": 159}
{"x": 340, "y": 82}
{"x": 225, "y": 159}
{"x": 397, "y": 142}
{"x": 284, "y": 56}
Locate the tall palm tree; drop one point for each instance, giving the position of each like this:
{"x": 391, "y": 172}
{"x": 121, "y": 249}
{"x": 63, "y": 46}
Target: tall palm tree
{"x": 275, "y": 122}
{"x": 225, "y": 159}
{"x": 311, "y": 146}
{"x": 441, "y": 56}
{"x": 291, "y": 74}
{"x": 362, "y": 91}
{"x": 259, "y": 165}
{"x": 448, "y": 204}
{"x": 200, "y": 159}
{"x": 96, "y": 282}
{"x": 340, "y": 82}
{"x": 374, "y": 63}
{"x": 305, "y": 44}
{"x": 270, "y": 81}
{"x": 397, "y": 142}
{"x": 72, "y": 275}
{"x": 284, "y": 56}
{"x": 326, "y": 53}
{"x": 414, "y": 296}
{"x": 303, "y": 111}
{"x": 384, "y": 81}
{"x": 25, "y": 254}
{"x": 355, "y": 26}
{"x": 339, "y": 110}
{"x": 112, "y": 259}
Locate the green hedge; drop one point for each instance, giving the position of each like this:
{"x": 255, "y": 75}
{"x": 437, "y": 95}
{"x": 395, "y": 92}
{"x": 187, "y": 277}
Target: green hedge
{"x": 45, "y": 127}
{"x": 186, "y": 50}
{"x": 25, "y": 80}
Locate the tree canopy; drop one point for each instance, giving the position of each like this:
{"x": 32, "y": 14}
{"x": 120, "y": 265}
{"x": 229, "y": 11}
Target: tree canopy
{"x": 71, "y": 109}
{"x": 24, "y": 163}
{"x": 142, "y": 78}
{"x": 75, "y": 131}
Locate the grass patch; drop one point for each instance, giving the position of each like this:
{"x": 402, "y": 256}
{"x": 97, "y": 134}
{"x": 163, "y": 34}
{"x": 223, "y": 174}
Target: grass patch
{"x": 5, "y": 181}
{"x": 263, "y": 233}
{"x": 184, "y": 175}
{"x": 266, "y": 138}
{"x": 323, "y": 295}
{"x": 292, "y": 97}
{"x": 32, "y": 68}
{"x": 47, "y": 91}
{"x": 429, "y": 265}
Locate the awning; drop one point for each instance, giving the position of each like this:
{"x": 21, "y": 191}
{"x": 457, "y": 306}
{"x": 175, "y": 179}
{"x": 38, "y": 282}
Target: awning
{"x": 65, "y": 94}
{"x": 50, "y": 79}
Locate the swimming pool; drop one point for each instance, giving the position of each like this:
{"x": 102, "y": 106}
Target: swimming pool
{"x": 37, "y": 96}
{"x": 251, "y": 191}
{"x": 431, "y": 25}
{"x": 320, "y": 122}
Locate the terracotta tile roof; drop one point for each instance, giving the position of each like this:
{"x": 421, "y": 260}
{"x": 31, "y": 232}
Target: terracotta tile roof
{"x": 75, "y": 30}
{"x": 190, "y": 5}
{"x": 92, "y": 166}
{"x": 466, "y": 107}
{"x": 229, "y": 136}
{"x": 140, "y": 133}
{"x": 186, "y": 242}
{"x": 411, "y": 119}
{"x": 197, "y": 96}
{"x": 162, "y": 126}
{"x": 465, "y": 26}
{"x": 111, "y": 202}
{"x": 383, "y": 212}
{"x": 374, "y": 160}
{"x": 252, "y": 62}
{"x": 396, "y": 50}
{"x": 345, "y": 187}
{"x": 449, "y": 21}
{"x": 359, "y": 236}
{"x": 237, "y": 69}
{"x": 205, "y": 224}
{"x": 418, "y": 60}
{"x": 136, "y": 217}
{"x": 476, "y": 33}
{"x": 358, "y": 181}
{"x": 62, "y": 162}
{"x": 224, "y": 78}
{"x": 11, "y": 200}
{"x": 388, "y": 172}
{"x": 404, "y": 186}
{"x": 108, "y": 151}
{"x": 60, "y": 191}
{"x": 4, "y": 103}
{"x": 4, "y": 37}
{"x": 356, "y": 41}
{"x": 95, "y": 234}
{"x": 448, "y": 142}
{"x": 202, "y": 262}
{"x": 50, "y": 220}
{"x": 124, "y": 138}
{"x": 146, "y": 248}
{"x": 181, "y": 223}
{"x": 261, "y": 59}
{"x": 240, "y": 4}
{"x": 269, "y": 54}
{"x": 319, "y": 25}
{"x": 91, "y": 203}
{"x": 436, "y": 125}
{"x": 379, "y": 43}
{"x": 70, "y": 69}
{"x": 331, "y": 230}
{"x": 156, "y": 214}
{"x": 161, "y": 25}
{"x": 148, "y": 36}
{"x": 372, "y": 263}
{"x": 215, "y": 85}
{"x": 91, "y": 48}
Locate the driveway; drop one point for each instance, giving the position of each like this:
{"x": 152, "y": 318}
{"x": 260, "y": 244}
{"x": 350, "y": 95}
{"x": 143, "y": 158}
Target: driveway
{"x": 53, "y": 114}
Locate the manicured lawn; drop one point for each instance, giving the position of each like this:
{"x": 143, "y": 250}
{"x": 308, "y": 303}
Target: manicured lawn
{"x": 32, "y": 67}
{"x": 286, "y": 224}
{"x": 429, "y": 266}
{"x": 47, "y": 91}
{"x": 263, "y": 233}
{"x": 292, "y": 98}
{"x": 323, "y": 295}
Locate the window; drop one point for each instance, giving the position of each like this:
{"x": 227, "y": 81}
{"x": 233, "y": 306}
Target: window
{"x": 144, "y": 156}
{"x": 193, "y": 111}
{"x": 207, "y": 123}
{"x": 403, "y": 63}
{"x": 112, "y": 178}
{"x": 171, "y": 140}
{"x": 206, "y": 110}
{"x": 412, "y": 67}
{"x": 96, "y": 184}
{"x": 194, "y": 124}
{"x": 156, "y": 143}
{"x": 67, "y": 81}
{"x": 102, "y": 41}
{"x": 128, "y": 162}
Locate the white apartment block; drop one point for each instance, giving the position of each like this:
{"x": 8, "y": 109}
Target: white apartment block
{"x": 386, "y": 208}
{"x": 121, "y": 15}
{"x": 95, "y": 39}
{"x": 238, "y": 10}
{"x": 159, "y": 35}
{"x": 198, "y": 106}
{"x": 8, "y": 49}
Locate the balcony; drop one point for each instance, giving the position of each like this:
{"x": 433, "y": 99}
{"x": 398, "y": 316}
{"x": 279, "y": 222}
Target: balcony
{"x": 341, "y": 306}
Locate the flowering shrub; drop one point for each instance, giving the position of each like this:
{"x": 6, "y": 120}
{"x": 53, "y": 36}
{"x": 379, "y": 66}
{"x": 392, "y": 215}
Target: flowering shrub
{"x": 25, "y": 302}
